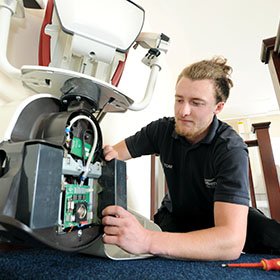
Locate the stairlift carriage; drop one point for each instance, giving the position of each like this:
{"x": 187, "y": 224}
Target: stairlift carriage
{"x": 54, "y": 181}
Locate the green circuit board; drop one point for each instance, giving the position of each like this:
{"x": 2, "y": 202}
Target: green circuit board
{"x": 79, "y": 205}
{"x": 77, "y": 148}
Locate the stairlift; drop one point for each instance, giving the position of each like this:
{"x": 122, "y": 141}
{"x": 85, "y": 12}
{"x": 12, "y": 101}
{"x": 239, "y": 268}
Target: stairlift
{"x": 54, "y": 181}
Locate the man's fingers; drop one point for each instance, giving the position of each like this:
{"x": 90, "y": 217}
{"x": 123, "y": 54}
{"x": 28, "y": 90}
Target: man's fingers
{"x": 107, "y": 148}
{"x": 110, "y": 221}
{"x": 111, "y": 230}
{"x": 114, "y": 210}
{"x": 110, "y": 239}
{"x": 115, "y": 216}
{"x": 109, "y": 152}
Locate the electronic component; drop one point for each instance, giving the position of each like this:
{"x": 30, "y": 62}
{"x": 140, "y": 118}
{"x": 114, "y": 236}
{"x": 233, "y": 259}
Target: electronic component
{"x": 78, "y": 207}
{"x": 80, "y": 189}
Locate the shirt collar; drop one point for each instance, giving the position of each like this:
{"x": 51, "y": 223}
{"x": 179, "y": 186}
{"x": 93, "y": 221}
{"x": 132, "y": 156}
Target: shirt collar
{"x": 212, "y": 131}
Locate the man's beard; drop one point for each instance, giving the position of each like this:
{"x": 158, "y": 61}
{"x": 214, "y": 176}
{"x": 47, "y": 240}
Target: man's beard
{"x": 191, "y": 134}
{"x": 187, "y": 133}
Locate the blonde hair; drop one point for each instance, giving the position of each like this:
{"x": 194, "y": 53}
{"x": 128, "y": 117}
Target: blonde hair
{"x": 215, "y": 70}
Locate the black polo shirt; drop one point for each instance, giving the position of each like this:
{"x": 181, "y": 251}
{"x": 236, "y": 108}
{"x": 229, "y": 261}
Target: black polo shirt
{"x": 214, "y": 169}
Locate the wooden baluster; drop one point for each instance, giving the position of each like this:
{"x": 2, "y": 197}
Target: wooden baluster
{"x": 153, "y": 187}
{"x": 252, "y": 143}
{"x": 269, "y": 168}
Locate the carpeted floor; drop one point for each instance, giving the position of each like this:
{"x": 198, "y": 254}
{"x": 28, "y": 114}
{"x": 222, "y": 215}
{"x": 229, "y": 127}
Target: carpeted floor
{"x": 51, "y": 264}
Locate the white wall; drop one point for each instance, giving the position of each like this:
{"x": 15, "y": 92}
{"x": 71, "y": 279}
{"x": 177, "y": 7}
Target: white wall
{"x": 235, "y": 29}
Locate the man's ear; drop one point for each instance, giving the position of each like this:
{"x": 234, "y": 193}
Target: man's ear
{"x": 219, "y": 107}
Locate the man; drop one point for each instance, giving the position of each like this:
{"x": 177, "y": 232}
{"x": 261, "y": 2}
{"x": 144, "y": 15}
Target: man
{"x": 204, "y": 215}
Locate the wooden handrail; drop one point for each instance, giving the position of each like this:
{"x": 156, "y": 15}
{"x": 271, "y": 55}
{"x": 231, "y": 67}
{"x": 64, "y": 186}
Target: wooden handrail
{"x": 270, "y": 54}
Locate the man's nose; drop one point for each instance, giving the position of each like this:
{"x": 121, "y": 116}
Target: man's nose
{"x": 185, "y": 109}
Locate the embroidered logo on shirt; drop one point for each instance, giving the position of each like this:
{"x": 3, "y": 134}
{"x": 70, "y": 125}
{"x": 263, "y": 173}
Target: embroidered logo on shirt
{"x": 210, "y": 183}
{"x": 166, "y": 165}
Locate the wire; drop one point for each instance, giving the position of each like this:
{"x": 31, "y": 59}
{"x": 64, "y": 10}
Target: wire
{"x": 95, "y": 138}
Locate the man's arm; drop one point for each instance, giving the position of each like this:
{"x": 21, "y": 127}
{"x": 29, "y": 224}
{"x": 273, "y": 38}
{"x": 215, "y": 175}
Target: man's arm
{"x": 118, "y": 151}
{"x": 224, "y": 241}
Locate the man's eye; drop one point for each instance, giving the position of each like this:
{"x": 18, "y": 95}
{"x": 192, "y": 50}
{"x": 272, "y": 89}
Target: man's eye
{"x": 179, "y": 100}
{"x": 197, "y": 103}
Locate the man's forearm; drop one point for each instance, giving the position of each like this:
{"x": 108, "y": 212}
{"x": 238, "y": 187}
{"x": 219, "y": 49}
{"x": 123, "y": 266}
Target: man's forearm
{"x": 217, "y": 243}
{"x": 224, "y": 241}
{"x": 123, "y": 153}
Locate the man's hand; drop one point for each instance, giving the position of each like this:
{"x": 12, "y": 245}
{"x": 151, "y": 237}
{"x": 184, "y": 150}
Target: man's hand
{"x": 109, "y": 153}
{"x": 121, "y": 228}
{"x": 118, "y": 151}
{"x": 224, "y": 241}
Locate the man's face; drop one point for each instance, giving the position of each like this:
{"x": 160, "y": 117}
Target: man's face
{"x": 195, "y": 106}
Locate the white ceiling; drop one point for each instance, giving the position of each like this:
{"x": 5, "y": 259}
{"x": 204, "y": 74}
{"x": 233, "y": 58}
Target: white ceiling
{"x": 235, "y": 29}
